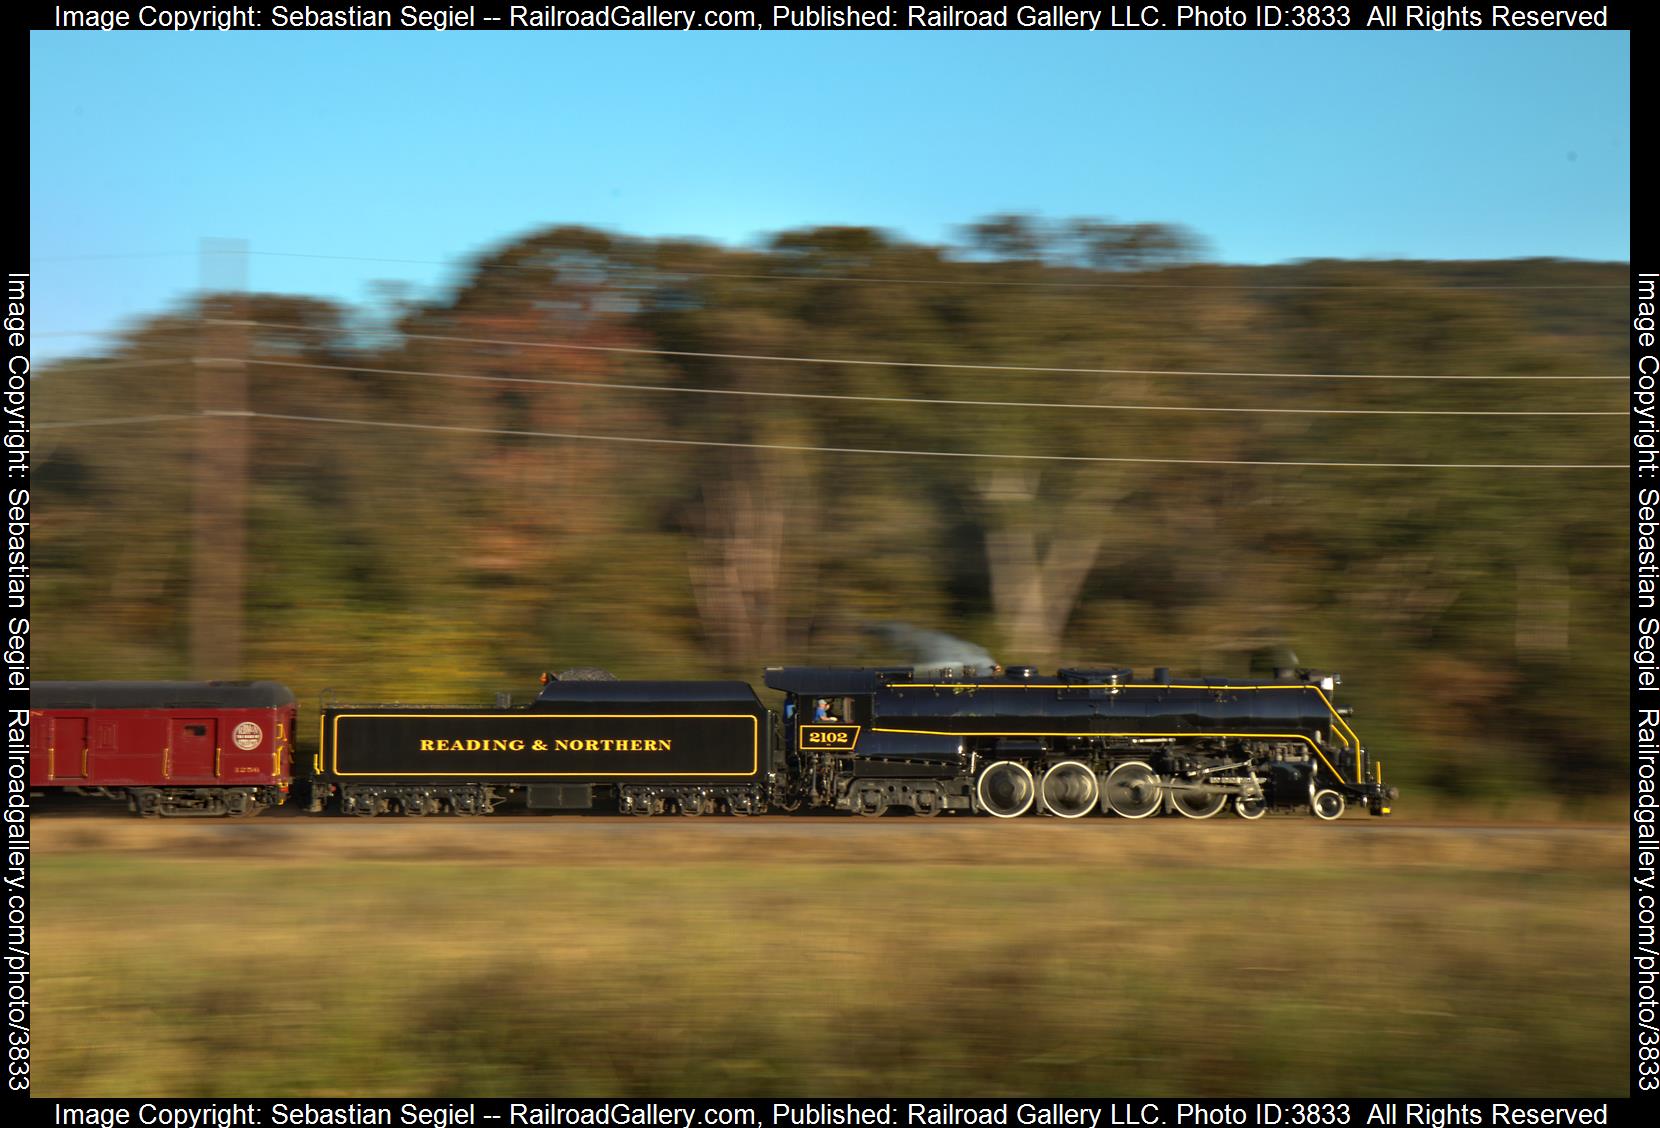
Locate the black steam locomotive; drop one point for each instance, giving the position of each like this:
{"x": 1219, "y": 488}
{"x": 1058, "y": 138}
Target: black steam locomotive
{"x": 1067, "y": 745}
{"x": 866, "y": 741}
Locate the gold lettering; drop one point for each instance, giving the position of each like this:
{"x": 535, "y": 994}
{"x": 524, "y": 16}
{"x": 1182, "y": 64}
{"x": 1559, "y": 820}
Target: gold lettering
{"x": 566, "y": 744}
{"x": 444, "y": 744}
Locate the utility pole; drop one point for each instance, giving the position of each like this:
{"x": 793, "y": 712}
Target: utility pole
{"x": 221, "y": 479}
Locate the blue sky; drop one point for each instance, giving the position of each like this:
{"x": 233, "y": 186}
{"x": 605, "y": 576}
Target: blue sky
{"x": 430, "y": 147}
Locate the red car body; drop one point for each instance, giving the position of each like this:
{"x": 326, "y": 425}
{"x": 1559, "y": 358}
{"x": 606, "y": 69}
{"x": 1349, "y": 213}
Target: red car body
{"x": 169, "y": 748}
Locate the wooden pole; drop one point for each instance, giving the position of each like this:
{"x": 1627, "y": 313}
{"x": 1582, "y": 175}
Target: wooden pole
{"x": 220, "y": 495}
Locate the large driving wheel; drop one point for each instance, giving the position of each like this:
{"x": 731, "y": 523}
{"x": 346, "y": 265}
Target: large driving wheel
{"x": 1006, "y": 789}
{"x": 1070, "y": 789}
{"x": 1132, "y": 791}
{"x": 1197, "y": 804}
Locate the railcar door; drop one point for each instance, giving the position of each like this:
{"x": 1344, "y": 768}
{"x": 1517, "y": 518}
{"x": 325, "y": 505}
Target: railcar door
{"x": 193, "y": 749}
{"x": 68, "y": 747}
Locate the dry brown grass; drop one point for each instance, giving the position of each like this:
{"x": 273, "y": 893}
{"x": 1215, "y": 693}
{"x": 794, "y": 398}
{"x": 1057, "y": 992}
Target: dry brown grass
{"x": 1275, "y": 843}
{"x": 609, "y": 956}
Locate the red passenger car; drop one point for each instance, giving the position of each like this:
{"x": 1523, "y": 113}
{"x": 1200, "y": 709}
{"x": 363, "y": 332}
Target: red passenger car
{"x": 168, "y": 748}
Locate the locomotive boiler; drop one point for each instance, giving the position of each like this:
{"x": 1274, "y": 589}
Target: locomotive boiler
{"x": 1079, "y": 741}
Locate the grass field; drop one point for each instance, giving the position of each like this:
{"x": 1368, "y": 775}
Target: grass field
{"x": 903, "y": 957}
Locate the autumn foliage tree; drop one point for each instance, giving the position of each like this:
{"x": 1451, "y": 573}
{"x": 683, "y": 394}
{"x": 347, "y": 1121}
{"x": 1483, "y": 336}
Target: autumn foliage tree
{"x": 1071, "y": 442}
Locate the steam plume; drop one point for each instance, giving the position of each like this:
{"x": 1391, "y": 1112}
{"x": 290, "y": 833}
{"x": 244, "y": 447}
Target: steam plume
{"x": 934, "y": 651}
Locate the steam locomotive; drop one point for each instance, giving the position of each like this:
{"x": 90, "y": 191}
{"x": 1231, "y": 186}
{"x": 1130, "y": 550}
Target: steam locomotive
{"x": 862, "y": 740}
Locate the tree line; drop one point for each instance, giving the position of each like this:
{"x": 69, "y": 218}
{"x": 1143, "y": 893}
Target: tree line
{"x": 1072, "y": 443}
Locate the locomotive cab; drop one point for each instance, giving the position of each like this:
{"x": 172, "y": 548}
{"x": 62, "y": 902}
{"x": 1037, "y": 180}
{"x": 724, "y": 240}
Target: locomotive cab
{"x": 842, "y": 756}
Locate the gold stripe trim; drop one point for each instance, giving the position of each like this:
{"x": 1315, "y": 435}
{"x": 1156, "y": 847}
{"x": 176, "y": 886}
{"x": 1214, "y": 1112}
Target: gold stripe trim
{"x": 1302, "y": 686}
{"x": 1156, "y": 735}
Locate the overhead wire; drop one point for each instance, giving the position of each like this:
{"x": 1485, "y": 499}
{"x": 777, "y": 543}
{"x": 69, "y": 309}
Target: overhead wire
{"x": 811, "y": 449}
{"x": 873, "y": 363}
{"x": 112, "y": 255}
{"x": 923, "y": 400}
{"x": 115, "y": 421}
{"x": 103, "y": 365}
{"x": 889, "y": 363}
{"x": 882, "y": 363}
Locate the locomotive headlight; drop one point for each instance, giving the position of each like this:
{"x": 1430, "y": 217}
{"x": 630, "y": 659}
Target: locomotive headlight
{"x": 1329, "y": 682}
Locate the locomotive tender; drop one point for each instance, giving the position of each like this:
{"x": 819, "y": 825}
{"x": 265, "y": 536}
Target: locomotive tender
{"x": 862, "y": 740}
{"x": 687, "y": 746}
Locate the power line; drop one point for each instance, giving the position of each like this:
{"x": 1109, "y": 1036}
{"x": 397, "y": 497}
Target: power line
{"x": 114, "y": 421}
{"x": 801, "y": 449}
{"x": 896, "y": 399}
{"x": 111, "y": 255}
{"x": 360, "y": 258}
{"x": 101, "y": 365}
{"x": 1130, "y": 285}
{"x": 858, "y": 362}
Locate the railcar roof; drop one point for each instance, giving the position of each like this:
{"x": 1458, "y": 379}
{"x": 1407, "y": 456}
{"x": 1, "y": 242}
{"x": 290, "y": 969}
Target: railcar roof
{"x": 830, "y": 681}
{"x": 158, "y": 695}
{"x": 647, "y": 692}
